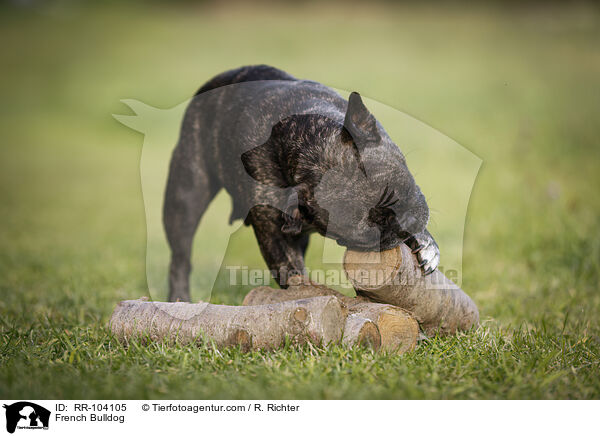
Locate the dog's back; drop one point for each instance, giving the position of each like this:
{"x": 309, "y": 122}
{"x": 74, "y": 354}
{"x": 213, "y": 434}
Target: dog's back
{"x": 236, "y": 110}
{"x": 250, "y": 73}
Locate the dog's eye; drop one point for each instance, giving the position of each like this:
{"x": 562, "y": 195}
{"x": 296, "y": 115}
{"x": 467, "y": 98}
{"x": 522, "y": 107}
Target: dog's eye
{"x": 391, "y": 218}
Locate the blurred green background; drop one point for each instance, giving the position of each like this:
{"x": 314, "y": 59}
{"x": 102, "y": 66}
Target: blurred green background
{"x": 519, "y": 86}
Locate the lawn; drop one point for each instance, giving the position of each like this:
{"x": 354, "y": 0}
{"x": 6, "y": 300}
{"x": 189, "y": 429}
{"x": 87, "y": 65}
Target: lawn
{"x": 518, "y": 87}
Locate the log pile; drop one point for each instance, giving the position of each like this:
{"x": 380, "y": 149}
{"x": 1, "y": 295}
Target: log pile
{"x": 394, "y": 299}
{"x": 397, "y": 330}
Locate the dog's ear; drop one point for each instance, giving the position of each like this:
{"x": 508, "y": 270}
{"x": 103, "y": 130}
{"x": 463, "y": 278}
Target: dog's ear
{"x": 292, "y": 220}
{"x": 359, "y": 122}
{"x": 261, "y": 163}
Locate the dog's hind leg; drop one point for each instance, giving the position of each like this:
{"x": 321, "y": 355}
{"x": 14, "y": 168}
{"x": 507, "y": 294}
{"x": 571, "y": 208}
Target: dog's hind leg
{"x": 188, "y": 194}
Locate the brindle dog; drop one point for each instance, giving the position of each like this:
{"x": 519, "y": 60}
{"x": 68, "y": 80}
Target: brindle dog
{"x": 296, "y": 158}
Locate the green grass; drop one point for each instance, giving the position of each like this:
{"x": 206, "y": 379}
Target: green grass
{"x": 518, "y": 87}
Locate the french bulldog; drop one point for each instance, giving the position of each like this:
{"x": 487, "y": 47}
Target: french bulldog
{"x": 296, "y": 158}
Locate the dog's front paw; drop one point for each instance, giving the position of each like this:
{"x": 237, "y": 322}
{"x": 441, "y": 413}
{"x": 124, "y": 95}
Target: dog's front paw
{"x": 427, "y": 251}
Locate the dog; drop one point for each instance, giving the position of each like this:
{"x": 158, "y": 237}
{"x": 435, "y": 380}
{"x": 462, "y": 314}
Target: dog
{"x": 296, "y": 158}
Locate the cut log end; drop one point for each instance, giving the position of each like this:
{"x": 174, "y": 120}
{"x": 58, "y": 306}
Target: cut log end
{"x": 398, "y": 333}
{"x": 372, "y": 270}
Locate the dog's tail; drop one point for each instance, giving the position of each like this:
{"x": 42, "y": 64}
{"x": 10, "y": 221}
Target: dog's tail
{"x": 249, "y": 73}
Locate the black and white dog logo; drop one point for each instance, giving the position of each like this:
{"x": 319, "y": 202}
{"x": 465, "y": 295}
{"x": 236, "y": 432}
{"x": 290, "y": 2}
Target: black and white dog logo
{"x": 26, "y": 415}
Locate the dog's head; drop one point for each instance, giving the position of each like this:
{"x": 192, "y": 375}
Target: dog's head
{"x": 349, "y": 182}
{"x": 361, "y": 193}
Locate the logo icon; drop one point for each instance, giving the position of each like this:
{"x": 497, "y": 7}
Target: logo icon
{"x": 26, "y": 415}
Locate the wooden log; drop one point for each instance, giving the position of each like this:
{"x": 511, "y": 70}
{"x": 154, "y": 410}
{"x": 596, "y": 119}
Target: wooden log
{"x": 394, "y": 277}
{"x": 319, "y": 320}
{"x": 397, "y": 329}
{"x": 360, "y": 331}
